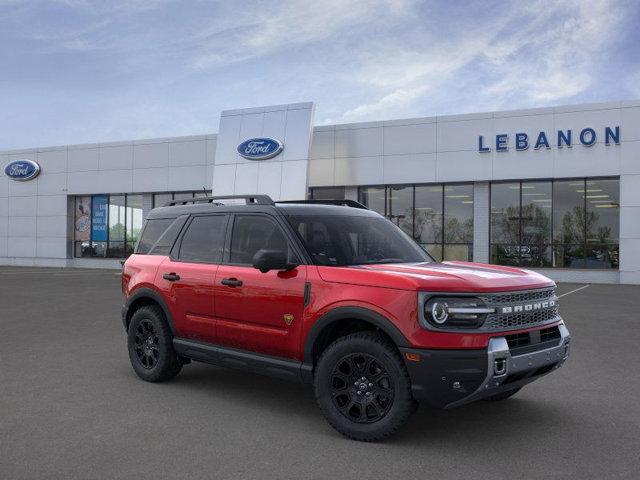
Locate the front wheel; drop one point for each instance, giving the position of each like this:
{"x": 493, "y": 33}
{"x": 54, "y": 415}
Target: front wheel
{"x": 363, "y": 388}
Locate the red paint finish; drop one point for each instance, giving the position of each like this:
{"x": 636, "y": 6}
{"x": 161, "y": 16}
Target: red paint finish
{"x": 251, "y": 316}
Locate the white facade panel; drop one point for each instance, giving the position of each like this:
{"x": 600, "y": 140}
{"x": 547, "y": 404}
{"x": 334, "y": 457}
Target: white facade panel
{"x": 82, "y": 159}
{"x": 410, "y": 139}
{"x": 52, "y": 226}
{"x": 53, "y": 161}
{"x": 117, "y": 157}
{"x": 21, "y": 246}
{"x": 188, "y": 153}
{"x": 51, "y": 247}
{"x": 22, "y": 206}
{"x": 52, "y": 183}
{"x": 51, "y": 205}
{"x": 22, "y": 227}
{"x": 322, "y": 144}
{"x": 359, "y": 171}
{"x": 151, "y": 155}
{"x": 358, "y": 142}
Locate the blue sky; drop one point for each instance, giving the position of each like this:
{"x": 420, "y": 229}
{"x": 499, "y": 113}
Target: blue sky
{"x": 77, "y": 71}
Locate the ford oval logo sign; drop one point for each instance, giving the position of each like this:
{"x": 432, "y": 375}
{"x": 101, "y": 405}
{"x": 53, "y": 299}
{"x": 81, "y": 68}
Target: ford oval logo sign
{"x": 260, "y": 148}
{"x": 22, "y": 170}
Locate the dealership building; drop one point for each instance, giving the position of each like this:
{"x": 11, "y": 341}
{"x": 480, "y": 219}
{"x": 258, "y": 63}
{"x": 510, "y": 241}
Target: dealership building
{"x": 552, "y": 189}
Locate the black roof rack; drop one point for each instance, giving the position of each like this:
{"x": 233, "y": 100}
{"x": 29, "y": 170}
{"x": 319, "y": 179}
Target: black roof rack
{"x": 250, "y": 199}
{"x": 344, "y": 203}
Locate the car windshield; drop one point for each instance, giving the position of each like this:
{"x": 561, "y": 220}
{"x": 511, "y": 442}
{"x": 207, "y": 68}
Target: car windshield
{"x": 340, "y": 240}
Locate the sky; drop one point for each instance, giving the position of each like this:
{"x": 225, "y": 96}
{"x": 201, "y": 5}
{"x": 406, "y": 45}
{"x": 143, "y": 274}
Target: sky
{"x": 80, "y": 71}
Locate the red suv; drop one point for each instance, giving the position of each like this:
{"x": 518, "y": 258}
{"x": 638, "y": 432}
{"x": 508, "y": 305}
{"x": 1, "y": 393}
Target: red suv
{"x": 331, "y": 293}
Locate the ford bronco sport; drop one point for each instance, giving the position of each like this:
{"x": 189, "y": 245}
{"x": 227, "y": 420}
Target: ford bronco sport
{"x": 331, "y": 293}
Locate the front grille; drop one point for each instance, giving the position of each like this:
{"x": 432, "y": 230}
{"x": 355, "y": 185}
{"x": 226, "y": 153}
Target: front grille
{"x": 520, "y": 320}
{"x": 536, "y": 340}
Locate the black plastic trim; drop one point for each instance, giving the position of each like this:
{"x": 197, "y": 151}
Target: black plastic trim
{"x": 153, "y": 295}
{"x": 284, "y": 368}
{"x": 351, "y": 313}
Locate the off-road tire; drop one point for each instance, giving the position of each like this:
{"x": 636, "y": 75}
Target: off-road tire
{"x": 373, "y": 353}
{"x": 150, "y": 345}
{"x": 502, "y": 396}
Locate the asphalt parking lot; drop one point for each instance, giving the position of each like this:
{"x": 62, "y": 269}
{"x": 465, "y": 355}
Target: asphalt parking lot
{"x": 72, "y": 408}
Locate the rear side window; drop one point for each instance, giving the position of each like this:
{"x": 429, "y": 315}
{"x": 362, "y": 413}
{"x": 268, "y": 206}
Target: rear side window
{"x": 204, "y": 239}
{"x": 152, "y": 232}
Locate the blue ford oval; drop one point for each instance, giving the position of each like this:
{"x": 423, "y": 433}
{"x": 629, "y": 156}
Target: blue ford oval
{"x": 22, "y": 170}
{"x": 260, "y": 148}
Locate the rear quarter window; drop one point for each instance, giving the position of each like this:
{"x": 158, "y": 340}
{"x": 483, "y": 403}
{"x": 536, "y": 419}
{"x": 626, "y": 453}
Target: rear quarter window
{"x": 159, "y": 235}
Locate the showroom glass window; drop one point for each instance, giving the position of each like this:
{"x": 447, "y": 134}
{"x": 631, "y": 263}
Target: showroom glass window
{"x": 439, "y": 217}
{"x": 160, "y": 199}
{"x": 564, "y": 223}
{"x": 327, "y": 193}
{"x": 107, "y": 226}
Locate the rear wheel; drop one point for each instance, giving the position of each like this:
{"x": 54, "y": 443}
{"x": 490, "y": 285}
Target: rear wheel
{"x": 150, "y": 345}
{"x": 363, "y": 388}
{"x": 502, "y": 396}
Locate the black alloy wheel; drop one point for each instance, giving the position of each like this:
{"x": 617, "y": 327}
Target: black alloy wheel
{"x": 361, "y": 388}
{"x": 146, "y": 344}
{"x": 150, "y": 345}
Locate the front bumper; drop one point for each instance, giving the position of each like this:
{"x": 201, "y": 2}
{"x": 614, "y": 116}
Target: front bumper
{"x": 450, "y": 378}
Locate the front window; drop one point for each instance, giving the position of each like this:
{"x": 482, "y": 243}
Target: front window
{"x": 343, "y": 240}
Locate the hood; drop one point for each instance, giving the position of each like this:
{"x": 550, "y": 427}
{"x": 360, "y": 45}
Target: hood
{"x": 438, "y": 277}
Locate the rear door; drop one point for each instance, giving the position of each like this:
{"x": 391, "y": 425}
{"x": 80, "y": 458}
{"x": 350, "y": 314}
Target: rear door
{"x": 187, "y": 277}
{"x": 258, "y": 311}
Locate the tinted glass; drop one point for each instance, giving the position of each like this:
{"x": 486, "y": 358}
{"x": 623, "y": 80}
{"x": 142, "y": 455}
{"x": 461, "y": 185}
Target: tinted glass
{"x": 152, "y": 231}
{"x": 161, "y": 199}
{"x": 252, "y": 233}
{"x": 536, "y": 224}
{"x": 568, "y": 211}
{"x": 344, "y": 240}
{"x": 400, "y": 210}
{"x": 327, "y": 193}
{"x": 428, "y": 223}
{"x": 373, "y": 198}
{"x": 603, "y": 211}
{"x": 505, "y": 213}
{"x": 117, "y": 228}
{"x": 204, "y": 239}
{"x": 458, "y": 214}
{"x": 134, "y": 220}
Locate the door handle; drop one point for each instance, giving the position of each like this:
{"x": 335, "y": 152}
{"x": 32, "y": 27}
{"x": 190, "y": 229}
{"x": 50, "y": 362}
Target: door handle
{"x": 172, "y": 277}
{"x": 231, "y": 282}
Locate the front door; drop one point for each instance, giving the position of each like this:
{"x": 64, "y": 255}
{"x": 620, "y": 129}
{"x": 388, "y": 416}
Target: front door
{"x": 259, "y": 311}
{"x": 187, "y": 279}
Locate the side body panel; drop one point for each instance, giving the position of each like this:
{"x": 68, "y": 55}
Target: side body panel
{"x": 265, "y": 313}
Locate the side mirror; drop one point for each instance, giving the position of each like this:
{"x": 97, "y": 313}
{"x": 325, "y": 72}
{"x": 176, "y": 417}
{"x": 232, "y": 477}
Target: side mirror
{"x": 265, "y": 260}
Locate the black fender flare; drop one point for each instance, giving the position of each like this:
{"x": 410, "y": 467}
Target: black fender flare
{"x": 149, "y": 293}
{"x": 351, "y": 313}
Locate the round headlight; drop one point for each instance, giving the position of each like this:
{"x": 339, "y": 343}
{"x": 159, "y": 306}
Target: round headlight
{"x": 439, "y": 312}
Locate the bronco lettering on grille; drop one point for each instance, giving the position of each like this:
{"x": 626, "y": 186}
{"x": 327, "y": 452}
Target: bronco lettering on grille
{"x": 528, "y": 307}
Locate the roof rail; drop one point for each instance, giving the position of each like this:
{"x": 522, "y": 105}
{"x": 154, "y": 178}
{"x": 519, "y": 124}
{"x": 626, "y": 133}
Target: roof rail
{"x": 344, "y": 203}
{"x": 250, "y": 199}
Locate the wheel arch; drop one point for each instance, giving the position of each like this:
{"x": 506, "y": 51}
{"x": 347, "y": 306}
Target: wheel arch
{"x": 330, "y": 321}
{"x": 142, "y": 297}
